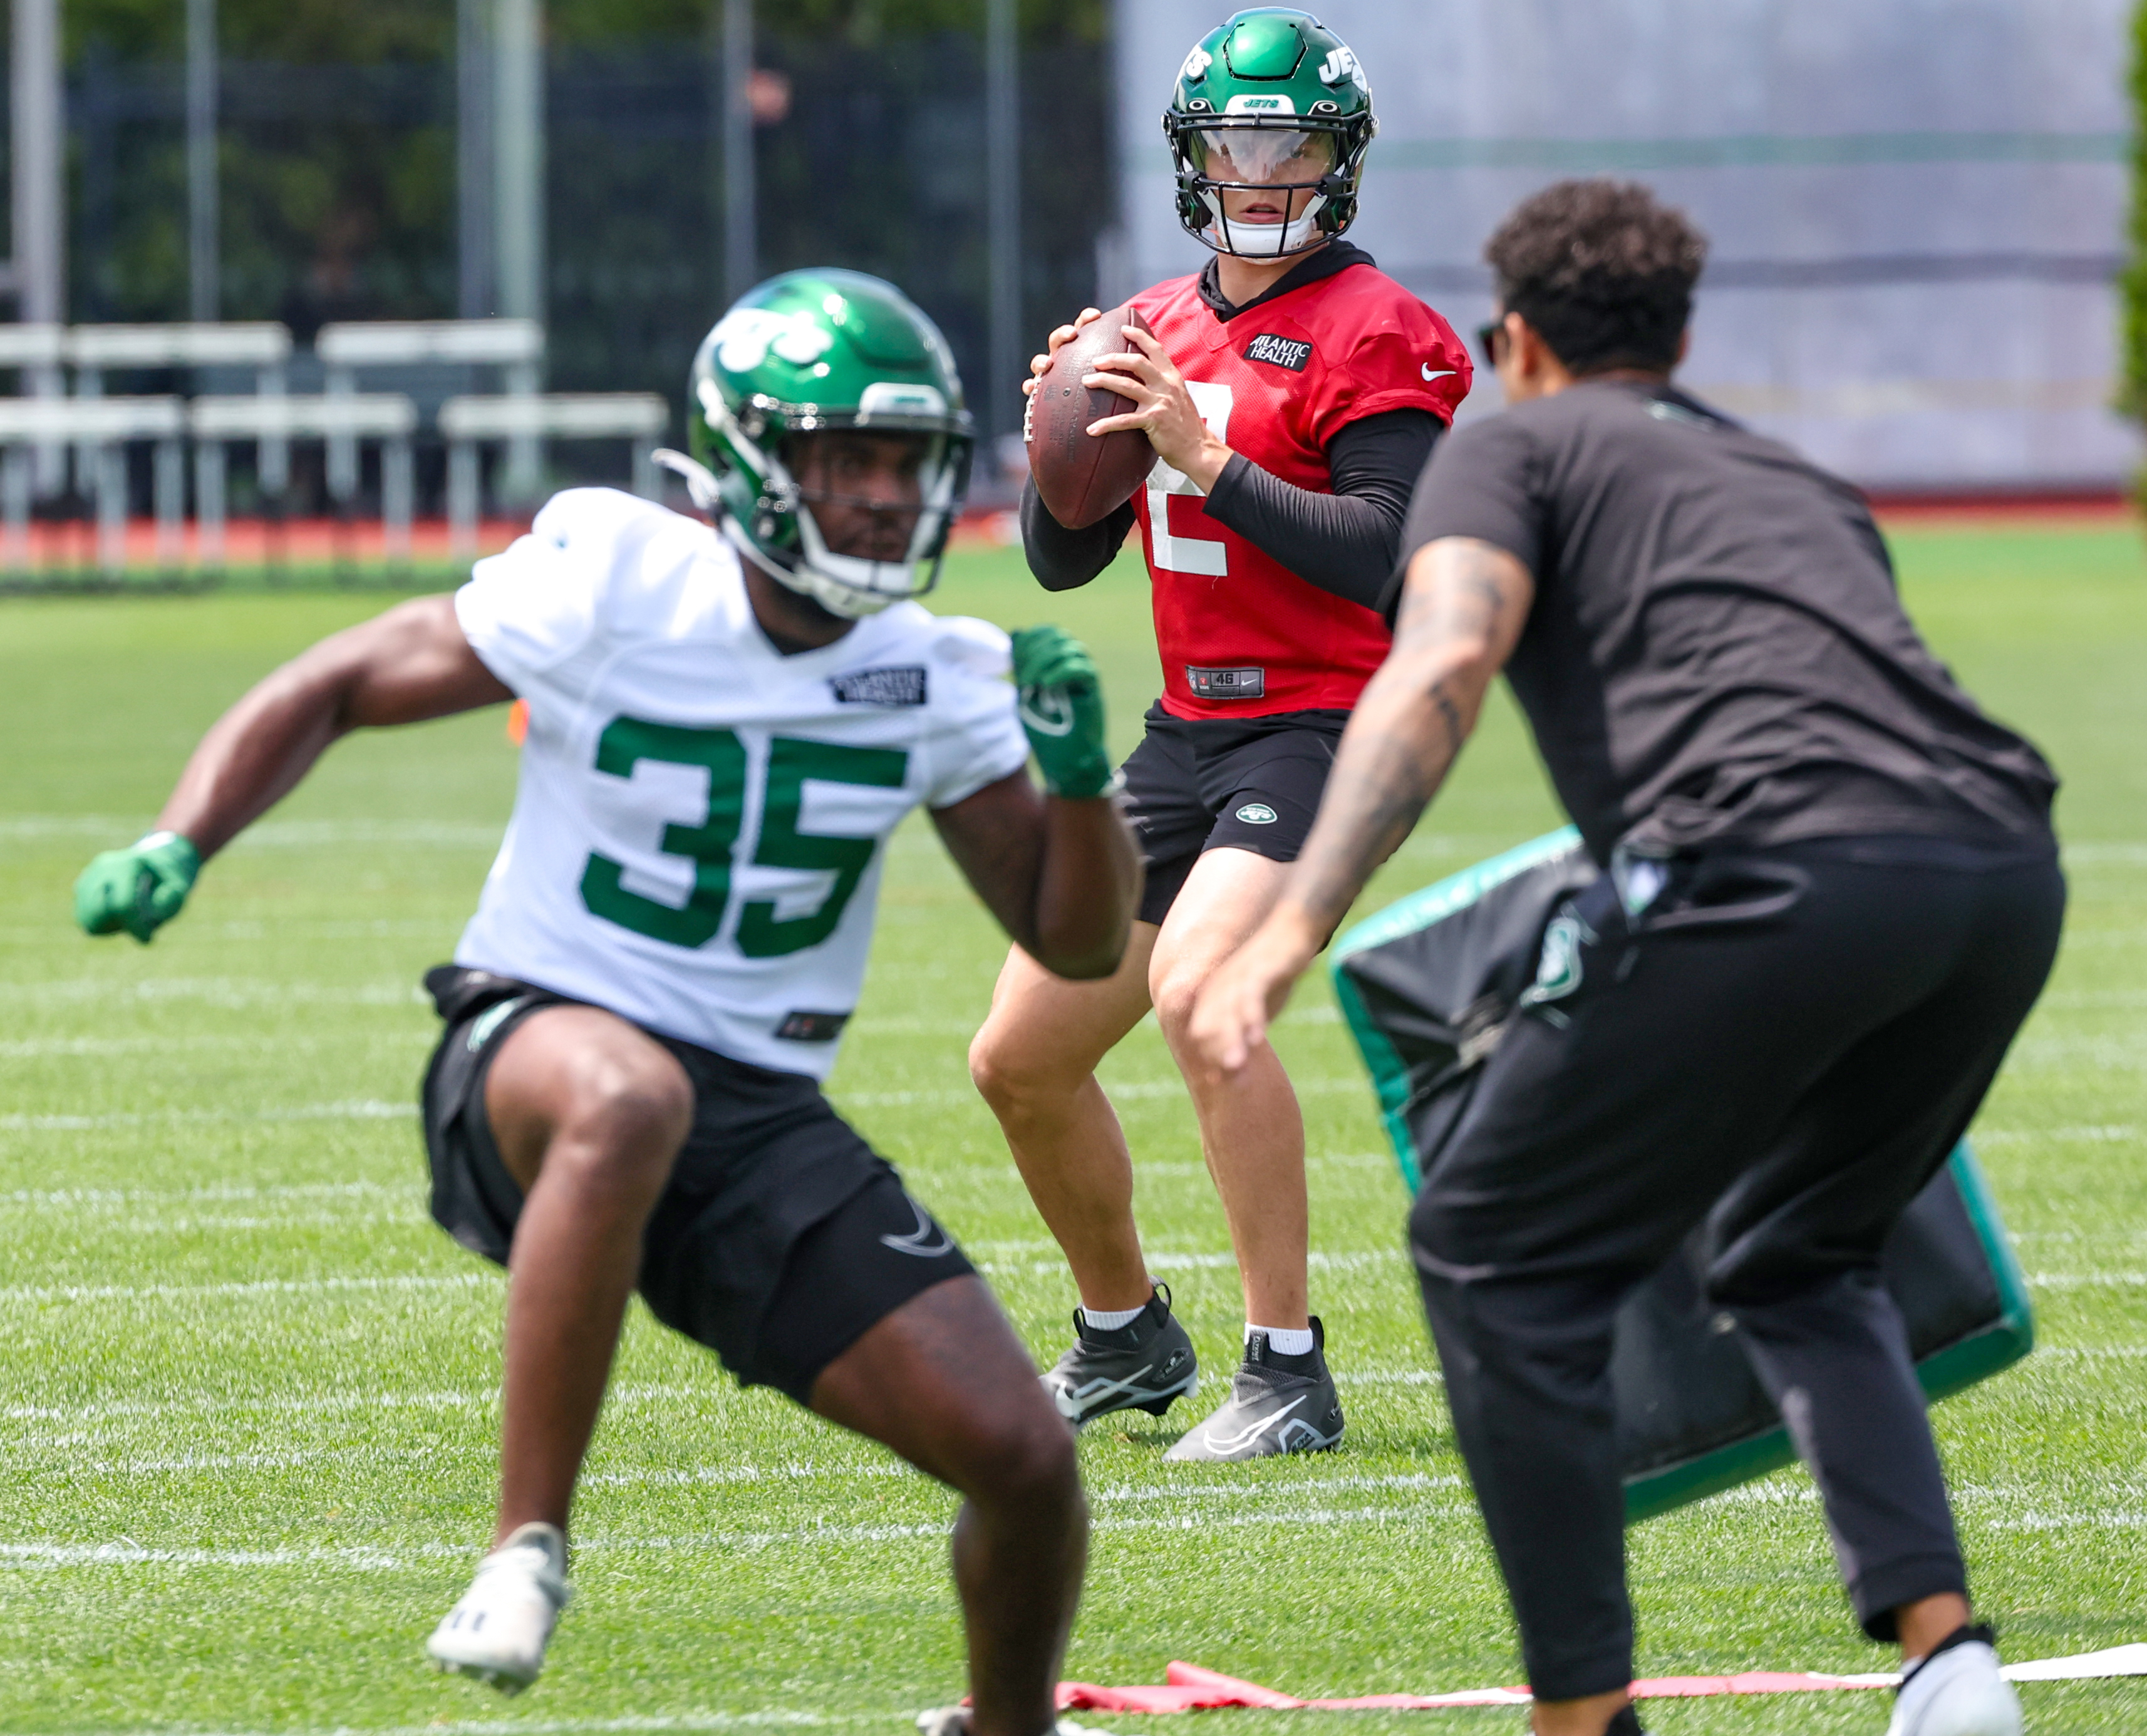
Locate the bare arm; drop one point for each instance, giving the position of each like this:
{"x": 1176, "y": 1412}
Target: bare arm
{"x": 409, "y": 664}
{"x": 1062, "y": 876}
{"x": 1464, "y": 604}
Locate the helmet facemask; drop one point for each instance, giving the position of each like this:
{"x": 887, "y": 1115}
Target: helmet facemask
{"x": 1303, "y": 163}
{"x": 852, "y": 553}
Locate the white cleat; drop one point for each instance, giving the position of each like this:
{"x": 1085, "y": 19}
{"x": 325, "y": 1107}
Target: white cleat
{"x": 1957, "y": 1692}
{"x": 499, "y": 1631}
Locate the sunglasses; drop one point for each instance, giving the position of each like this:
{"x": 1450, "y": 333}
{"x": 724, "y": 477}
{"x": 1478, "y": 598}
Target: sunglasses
{"x": 1491, "y": 340}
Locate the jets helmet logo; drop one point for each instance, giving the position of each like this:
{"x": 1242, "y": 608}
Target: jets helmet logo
{"x": 1341, "y": 64}
{"x": 746, "y": 336}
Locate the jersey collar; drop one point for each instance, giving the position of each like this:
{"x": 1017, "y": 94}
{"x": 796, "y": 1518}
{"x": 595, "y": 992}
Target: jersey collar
{"x": 1337, "y": 256}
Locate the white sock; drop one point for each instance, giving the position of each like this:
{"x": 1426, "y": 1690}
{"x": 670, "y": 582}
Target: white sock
{"x": 1283, "y": 1340}
{"x": 1109, "y": 1320}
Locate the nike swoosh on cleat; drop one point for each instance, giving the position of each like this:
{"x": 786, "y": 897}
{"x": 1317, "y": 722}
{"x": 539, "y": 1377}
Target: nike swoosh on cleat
{"x": 1230, "y": 1443}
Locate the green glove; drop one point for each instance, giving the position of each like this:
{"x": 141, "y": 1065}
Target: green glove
{"x": 139, "y": 888}
{"x": 1062, "y": 708}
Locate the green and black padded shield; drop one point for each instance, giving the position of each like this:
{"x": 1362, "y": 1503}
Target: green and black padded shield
{"x": 1428, "y": 986}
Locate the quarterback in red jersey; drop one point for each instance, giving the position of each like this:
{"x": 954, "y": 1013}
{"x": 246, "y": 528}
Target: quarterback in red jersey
{"x": 1292, "y": 392}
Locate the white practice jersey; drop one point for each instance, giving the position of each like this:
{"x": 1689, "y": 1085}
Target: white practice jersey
{"x": 696, "y": 838}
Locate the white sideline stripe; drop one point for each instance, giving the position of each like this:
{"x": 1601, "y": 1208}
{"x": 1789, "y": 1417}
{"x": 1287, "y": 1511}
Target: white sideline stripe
{"x": 360, "y": 1109}
{"x": 263, "y": 1287}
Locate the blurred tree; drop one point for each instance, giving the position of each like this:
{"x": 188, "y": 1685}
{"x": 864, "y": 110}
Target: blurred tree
{"x": 338, "y": 163}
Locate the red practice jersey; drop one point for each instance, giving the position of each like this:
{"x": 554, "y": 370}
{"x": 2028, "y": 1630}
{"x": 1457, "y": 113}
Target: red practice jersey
{"x": 1239, "y": 634}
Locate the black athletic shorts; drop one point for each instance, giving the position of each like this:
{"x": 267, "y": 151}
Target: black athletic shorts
{"x": 782, "y": 1237}
{"x": 1209, "y": 783}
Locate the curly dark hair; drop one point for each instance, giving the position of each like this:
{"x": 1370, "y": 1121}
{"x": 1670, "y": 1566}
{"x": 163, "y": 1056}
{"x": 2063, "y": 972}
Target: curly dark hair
{"x": 1602, "y": 270}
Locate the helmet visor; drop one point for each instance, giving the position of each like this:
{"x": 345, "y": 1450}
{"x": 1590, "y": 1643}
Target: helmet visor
{"x": 1261, "y": 156}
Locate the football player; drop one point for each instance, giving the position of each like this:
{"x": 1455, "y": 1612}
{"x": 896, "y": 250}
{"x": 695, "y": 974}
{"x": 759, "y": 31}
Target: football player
{"x": 1292, "y": 392}
{"x": 725, "y": 724}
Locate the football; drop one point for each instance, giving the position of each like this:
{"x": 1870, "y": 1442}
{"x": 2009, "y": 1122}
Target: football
{"x": 1082, "y": 479}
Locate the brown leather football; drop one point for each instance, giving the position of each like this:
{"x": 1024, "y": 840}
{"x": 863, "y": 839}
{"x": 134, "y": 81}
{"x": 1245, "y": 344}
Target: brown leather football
{"x": 1083, "y": 478}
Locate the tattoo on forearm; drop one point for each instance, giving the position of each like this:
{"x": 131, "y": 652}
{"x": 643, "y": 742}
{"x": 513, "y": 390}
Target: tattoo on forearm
{"x": 1449, "y": 714}
{"x": 1463, "y": 608}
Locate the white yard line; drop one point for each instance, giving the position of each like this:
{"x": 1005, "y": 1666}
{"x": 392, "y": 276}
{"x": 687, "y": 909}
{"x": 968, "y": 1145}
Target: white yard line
{"x": 225, "y": 992}
{"x": 77, "y": 1198}
{"x": 358, "y": 1109}
{"x": 2116, "y": 1133}
{"x": 261, "y": 1287}
{"x": 327, "y": 1404}
{"x": 1129, "y": 1092}
{"x": 125, "y": 1552}
{"x": 681, "y": 1721}
{"x": 2086, "y": 1280}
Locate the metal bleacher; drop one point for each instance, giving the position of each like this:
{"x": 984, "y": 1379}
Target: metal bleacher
{"x": 50, "y": 437}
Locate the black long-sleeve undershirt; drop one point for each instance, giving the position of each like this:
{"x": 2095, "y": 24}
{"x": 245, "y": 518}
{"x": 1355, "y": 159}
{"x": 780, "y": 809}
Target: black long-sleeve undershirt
{"x": 1345, "y": 542}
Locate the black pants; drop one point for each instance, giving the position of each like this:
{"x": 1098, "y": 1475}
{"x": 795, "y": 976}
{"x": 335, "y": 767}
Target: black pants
{"x": 1784, "y": 1045}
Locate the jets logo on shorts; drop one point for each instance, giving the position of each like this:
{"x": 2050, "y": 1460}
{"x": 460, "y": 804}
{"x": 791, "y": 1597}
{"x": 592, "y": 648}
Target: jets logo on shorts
{"x": 1256, "y": 813}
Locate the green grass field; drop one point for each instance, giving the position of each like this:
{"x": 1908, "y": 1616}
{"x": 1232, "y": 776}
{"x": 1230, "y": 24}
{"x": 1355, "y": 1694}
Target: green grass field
{"x": 248, "y": 1414}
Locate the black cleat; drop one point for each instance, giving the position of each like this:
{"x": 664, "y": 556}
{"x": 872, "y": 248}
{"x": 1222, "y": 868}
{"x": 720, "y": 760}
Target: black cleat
{"x": 1277, "y": 1404}
{"x": 1144, "y": 1366}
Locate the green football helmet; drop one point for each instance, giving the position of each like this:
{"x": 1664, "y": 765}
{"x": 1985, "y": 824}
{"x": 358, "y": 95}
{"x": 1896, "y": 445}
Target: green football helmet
{"x": 1270, "y": 86}
{"x": 808, "y": 353}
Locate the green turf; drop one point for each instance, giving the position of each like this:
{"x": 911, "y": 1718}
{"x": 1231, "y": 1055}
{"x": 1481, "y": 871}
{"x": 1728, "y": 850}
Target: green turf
{"x": 249, "y": 1390}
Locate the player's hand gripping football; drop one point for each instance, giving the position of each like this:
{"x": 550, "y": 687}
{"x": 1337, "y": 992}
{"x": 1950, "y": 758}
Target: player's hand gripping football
{"x": 1162, "y": 409}
{"x": 1062, "y": 710}
{"x": 139, "y": 888}
{"x": 1060, "y": 337}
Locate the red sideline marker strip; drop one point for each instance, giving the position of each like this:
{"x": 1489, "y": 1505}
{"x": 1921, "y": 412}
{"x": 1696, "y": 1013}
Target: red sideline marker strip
{"x": 1188, "y": 1688}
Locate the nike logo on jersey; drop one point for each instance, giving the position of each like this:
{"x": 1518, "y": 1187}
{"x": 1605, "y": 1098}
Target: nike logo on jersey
{"x": 1277, "y": 351}
{"x": 1441, "y": 373}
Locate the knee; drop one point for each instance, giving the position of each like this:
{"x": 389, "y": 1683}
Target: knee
{"x": 1019, "y": 1458}
{"x": 1011, "y": 1071}
{"x": 626, "y": 1117}
{"x": 1026, "y": 1461}
{"x": 1175, "y": 993}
